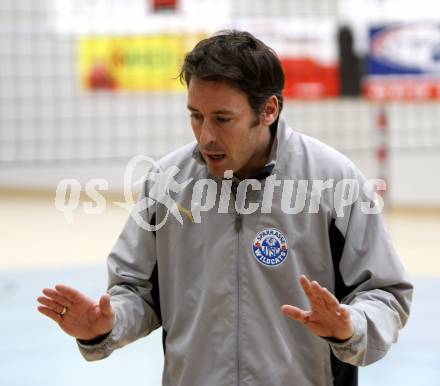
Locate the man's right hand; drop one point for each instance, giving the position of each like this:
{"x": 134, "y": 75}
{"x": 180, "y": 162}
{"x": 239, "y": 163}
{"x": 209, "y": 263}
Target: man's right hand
{"x": 83, "y": 317}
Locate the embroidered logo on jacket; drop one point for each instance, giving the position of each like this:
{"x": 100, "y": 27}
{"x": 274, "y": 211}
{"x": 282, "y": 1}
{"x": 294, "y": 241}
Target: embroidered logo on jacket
{"x": 270, "y": 247}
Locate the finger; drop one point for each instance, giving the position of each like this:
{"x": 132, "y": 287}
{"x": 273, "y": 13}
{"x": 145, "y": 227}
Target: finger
{"x": 345, "y": 313}
{"x": 70, "y": 293}
{"x": 105, "y": 305}
{"x": 317, "y": 292}
{"x": 51, "y": 314}
{"x": 304, "y": 280}
{"x": 330, "y": 300}
{"x": 49, "y": 303}
{"x": 313, "y": 292}
{"x": 56, "y": 296}
{"x": 296, "y": 313}
{"x": 306, "y": 285}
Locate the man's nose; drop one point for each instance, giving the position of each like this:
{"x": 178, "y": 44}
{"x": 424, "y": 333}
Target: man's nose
{"x": 207, "y": 134}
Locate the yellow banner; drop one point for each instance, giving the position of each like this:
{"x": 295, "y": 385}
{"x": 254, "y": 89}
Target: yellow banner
{"x": 143, "y": 63}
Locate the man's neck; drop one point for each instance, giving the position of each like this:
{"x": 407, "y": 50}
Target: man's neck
{"x": 260, "y": 158}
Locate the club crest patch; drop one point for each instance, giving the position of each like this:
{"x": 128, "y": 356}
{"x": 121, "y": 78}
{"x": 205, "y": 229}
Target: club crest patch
{"x": 270, "y": 247}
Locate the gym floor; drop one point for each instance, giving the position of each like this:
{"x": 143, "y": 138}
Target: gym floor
{"x": 38, "y": 249}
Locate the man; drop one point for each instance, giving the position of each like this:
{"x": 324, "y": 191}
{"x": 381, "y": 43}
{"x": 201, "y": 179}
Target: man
{"x": 219, "y": 283}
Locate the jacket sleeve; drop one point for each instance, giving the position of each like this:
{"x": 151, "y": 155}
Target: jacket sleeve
{"x": 370, "y": 280}
{"x": 132, "y": 285}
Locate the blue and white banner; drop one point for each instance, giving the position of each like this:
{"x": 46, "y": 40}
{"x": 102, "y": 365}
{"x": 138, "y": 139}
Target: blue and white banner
{"x": 404, "y": 62}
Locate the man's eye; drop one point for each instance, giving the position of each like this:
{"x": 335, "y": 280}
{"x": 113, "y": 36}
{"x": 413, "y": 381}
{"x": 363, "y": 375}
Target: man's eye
{"x": 196, "y": 117}
{"x": 223, "y": 120}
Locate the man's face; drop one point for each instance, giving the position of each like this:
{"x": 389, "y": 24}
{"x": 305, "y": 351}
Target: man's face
{"x": 229, "y": 134}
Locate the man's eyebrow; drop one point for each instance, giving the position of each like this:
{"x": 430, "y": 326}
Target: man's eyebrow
{"x": 223, "y": 111}
{"x": 191, "y": 108}
{"x": 226, "y": 112}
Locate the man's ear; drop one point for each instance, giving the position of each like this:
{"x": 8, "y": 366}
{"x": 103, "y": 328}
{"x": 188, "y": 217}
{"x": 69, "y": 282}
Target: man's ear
{"x": 270, "y": 111}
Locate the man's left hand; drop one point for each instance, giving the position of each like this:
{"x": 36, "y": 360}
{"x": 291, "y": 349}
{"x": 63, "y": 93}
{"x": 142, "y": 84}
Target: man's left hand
{"x": 327, "y": 317}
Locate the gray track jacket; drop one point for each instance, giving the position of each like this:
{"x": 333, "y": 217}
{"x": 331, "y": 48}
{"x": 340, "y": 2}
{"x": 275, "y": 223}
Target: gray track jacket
{"x": 215, "y": 283}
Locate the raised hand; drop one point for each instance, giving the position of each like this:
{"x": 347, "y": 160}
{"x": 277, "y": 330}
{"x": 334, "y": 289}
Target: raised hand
{"x": 77, "y": 314}
{"x": 327, "y": 318}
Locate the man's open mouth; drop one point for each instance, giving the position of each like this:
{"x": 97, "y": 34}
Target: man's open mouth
{"x": 216, "y": 157}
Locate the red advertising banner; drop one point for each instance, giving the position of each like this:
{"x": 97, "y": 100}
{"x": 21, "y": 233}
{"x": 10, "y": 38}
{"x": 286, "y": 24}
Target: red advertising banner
{"x": 307, "y": 78}
{"x": 402, "y": 89}
{"x": 159, "y": 5}
{"x": 308, "y": 50}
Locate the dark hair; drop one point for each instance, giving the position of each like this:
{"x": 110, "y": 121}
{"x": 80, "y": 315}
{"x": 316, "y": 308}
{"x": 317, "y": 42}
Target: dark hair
{"x": 240, "y": 59}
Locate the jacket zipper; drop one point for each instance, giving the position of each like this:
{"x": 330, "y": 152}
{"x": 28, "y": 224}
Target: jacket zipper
{"x": 238, "y": 223}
